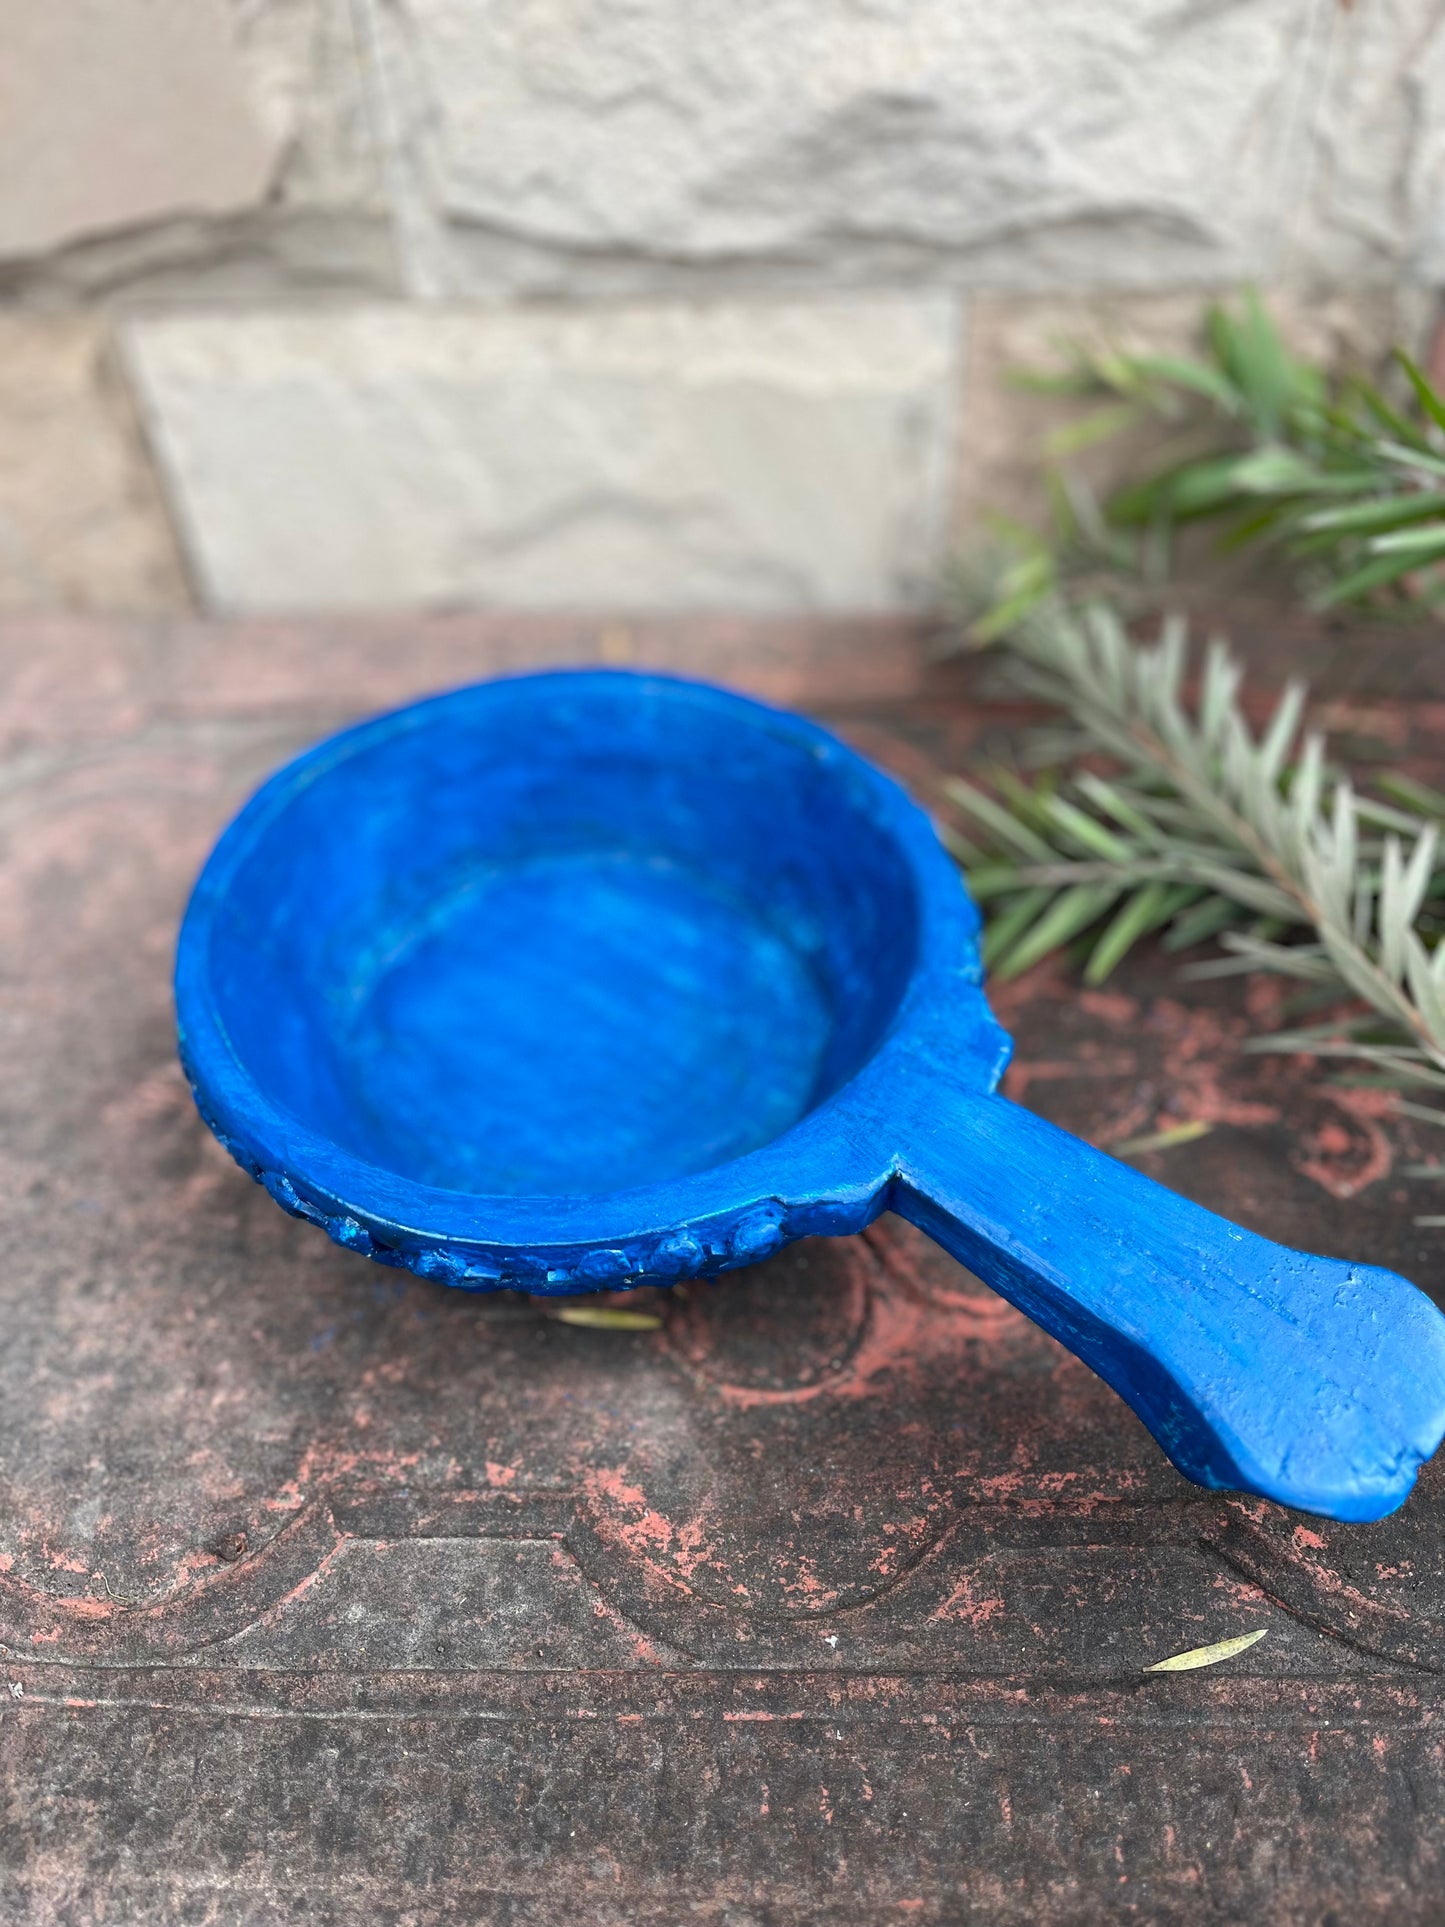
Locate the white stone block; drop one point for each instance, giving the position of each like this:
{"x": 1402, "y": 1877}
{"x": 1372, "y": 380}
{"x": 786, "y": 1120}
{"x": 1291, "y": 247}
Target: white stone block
{"x": 1367, "y": 200}
{"x": 117, "y": 112}
{"x": 585, "y": 145}
{"x": 766, "y": 456}
{"x": 306, "y": 72}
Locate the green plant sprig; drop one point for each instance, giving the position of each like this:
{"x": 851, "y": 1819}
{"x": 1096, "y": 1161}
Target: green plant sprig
{"x": 1345, "y": 483}
{"x": 1205, "y": 829}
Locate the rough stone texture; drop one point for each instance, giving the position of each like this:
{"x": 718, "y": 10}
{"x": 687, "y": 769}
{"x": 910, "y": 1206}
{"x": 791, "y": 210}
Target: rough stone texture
{"x": 585, "y": 145}
{"x": 1368, "y": 196}
{"x": 314, "y": 215}
{"x": 307, "y": 78}
{"x": 581, "y": 147}
{"x": 82, "y": 525}
{"x": 330, "y": 1596}
{"x": 113, "y": 112}
{"x": 243, "y": 155}
{"x": 769, "y": 456}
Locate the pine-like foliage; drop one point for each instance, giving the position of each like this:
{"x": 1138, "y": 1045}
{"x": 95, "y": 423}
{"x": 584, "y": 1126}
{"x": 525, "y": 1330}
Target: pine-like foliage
{"x": 1206, "y": 829}
{"x": 1341, "y": 477}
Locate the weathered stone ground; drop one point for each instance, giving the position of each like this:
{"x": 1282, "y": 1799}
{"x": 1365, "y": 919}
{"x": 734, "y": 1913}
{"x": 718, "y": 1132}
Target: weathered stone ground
{"x": 328, "y": 1595}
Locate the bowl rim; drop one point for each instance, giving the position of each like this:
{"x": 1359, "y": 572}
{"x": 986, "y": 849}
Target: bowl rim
{"x": 829, "y": 1171}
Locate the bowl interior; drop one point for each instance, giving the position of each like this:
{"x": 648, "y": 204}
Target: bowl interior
{"x": 562, "y": 936}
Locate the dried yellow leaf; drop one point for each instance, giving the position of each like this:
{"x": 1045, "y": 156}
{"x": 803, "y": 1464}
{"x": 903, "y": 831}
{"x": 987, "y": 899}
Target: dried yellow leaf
{"x": 606, "y": 1318}
{"x": 1207, "y": 1655}
{"x": 1164, "y": 1140}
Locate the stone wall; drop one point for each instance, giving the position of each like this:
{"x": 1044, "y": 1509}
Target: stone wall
{"x": 639, "y": 304}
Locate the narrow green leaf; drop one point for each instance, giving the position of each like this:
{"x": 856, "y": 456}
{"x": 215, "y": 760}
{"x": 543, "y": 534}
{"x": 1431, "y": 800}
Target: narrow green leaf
{"x": 1275, "y": 471}
{"x": 1413, "y": 794}
{"x": 1387, "y": 512}
{"x": 989, "y": 881}
{"x": 1424, "y": 988}
{"x": 1194, "y": 901}
{"x": 1197, "y": 376}
{"x": 1423, "y": 545}
{"x": 1030, "y": 802}
{"x": 1414, "y": 882}
{"x": 1385, "y": 816}
{"x": 1078, "y": 381}
{"x": 1141, "y": 913}
{"x": 964, "y": 852}
{"x": 1283, "y": 728}
{"x": 1091, "y": 835}
{"x": 1257, "y": 522}
{"x": 993, "y": 816}
{"x": 1112, "y": 801}
{"x": 1362, "y": 477}
{"x": 1073, "y": 910}
{"x": 1113, "y": 369}
{"x": 1002, "y": 929}
{"x": 1415, "y": 461}
{"x": 1077, "y": 509}
{"x": 1360, "y": 582}
{"x": 1252, "y": 352}
{"x": 1014, "y": 533}
{"x": 1306, "y": 961}
{"x": 1101, "y": 426}
{"x": 1195, "y": 488}
{"x": 1004, "y": 617}
{"x": 1365, "y": 395}
{"x": 1429, "y": 401}
{"x": 1246, "y": 891}
{"x": 1399, "y": 1071}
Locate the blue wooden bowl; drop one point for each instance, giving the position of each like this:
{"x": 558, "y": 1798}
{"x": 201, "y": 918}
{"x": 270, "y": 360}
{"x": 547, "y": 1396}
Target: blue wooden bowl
{"x": 587, "y": 979}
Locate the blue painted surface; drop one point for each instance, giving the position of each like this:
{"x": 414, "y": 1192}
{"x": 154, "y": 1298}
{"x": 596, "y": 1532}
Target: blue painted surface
{"x": 566, "y": 1087}
{"x": 585, "y": 978}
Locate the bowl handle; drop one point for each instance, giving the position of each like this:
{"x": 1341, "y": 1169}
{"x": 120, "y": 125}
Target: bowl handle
{"x": 1312, "y": 1381}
